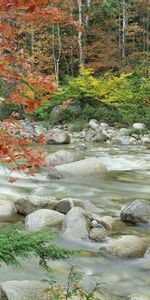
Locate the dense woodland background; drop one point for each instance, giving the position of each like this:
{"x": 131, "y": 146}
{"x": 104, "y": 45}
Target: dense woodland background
{"x": 97, "y": 52}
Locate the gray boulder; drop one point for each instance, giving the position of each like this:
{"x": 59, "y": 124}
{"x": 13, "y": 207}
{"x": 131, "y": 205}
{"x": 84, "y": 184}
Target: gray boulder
{"x": 28, "y": 204}
{"x": 100, "y": 138}
{"x": 43, "y": 218}
{"x": 85, "y": 167}
{"x": 76, "y": 225}
{"x": 60, "y": 157}
{"x": 93, "y": 124}
{"x": 137, "y": 212}
{"x": 128, "y": 246}
{"x": 24, "y": 290}
{"x": 58, "y": 137}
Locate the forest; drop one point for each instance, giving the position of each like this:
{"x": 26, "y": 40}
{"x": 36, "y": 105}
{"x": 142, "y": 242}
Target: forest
{"x": 74, "y": 149}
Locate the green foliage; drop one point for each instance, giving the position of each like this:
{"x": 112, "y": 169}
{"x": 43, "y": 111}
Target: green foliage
{"x": 6, "y": 109}
{"x": 15, "y": 242}
{"x": 78, "y": 126}
{"x": 113, "y": 98}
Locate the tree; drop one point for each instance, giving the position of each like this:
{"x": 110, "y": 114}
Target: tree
{"x": 18, "y": 68}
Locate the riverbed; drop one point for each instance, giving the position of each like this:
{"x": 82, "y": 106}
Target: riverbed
{"x": 128, "y": 179}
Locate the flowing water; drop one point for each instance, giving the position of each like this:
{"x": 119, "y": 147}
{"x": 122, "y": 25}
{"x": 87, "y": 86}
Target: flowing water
{"x": 129, "y": 179}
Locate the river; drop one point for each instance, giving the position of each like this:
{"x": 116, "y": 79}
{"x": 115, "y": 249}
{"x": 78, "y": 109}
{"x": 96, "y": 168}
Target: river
{"x": 129, "y": 179}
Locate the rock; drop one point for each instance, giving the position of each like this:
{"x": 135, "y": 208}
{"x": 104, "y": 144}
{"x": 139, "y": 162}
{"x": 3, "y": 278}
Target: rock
{"x": 90, "y": 135}
{"x": 139, "y": 126}
{"x": 80, "y": 147}
{"x": 124, "y": 140}
{"x": 7, "y": 208}
{"x": 64, "y": 205}
{"x": 93, "y": 124}
{"x": 24, "y": 290}
{"x": 145, "y": 139}
{"x": 76, "y": 225}
{"x": 123, "y": 131}
{"x": 28, "y": 204}
{"x": 100, "y": 137}
{"x": 137, "y": 212}
{"x": 60, "y": 157}
{"x": 85, "y": 167}
{"x": 138, "y": 297}
{"x": 58, "y": 137}
{"x": 97, "y": 234}
{"x": 105, "y": 221}
{"x": 43, "y": 218}
{"x": 128, "y": 246}
{"x": 104, "y": 126}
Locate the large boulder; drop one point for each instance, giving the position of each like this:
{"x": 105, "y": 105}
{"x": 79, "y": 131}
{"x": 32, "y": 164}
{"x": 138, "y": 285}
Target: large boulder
{"x": 60, "y": 157}
{"x": 137, "y": 212}
{"x": 24, "y": 290}
{"x": 128, "y": 246}
{"x": 58, "y": 137}
{"x": 76, "y": 225}
{"x": 43, "y": 218}
{"x": 86, "y": 167}
{"x": 28, "y": 204}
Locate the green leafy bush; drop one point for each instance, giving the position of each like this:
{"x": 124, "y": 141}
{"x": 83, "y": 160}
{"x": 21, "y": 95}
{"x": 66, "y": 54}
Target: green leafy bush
{"x": 15, "y": 242}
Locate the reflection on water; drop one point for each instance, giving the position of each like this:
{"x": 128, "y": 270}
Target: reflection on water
{"x": 129, "y": 178}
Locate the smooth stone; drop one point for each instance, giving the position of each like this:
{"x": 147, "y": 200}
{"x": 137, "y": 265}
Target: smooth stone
{"x": 139, "y": 126}
{"x": 24, "y": 290}
{"x": 28, "y": 204}
{"x": 86, "y": 167}
{"x": 136, "y": 212}
{"x": 128, "y": 246}
{"x": 97, "y": 234}
{"x": 60, "y": 157}
{"x": 43, "y": 218}
{"x": 76, "y": 224}
{"x": 58, "y": 137}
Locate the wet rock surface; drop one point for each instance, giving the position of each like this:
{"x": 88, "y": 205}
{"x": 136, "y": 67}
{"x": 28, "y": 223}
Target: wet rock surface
{"x": 137, "y": 212}
{"x": 128, "y": 246}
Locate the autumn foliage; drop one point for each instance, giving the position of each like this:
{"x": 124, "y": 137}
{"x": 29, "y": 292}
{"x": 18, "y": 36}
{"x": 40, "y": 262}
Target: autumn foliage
{"x": 30, "y": 85}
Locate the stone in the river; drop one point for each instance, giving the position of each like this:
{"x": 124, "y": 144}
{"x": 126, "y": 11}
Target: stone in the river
{"x": 137, "y": 212}
{"x": 7, "y": 207}
{"x": 24, "y": 290}
{"x": 64, "y": 205}
{"x": 86, "y": 167}
{"x": 106, "y": 221}
{"x": 100, "y": 138}
{"x": 28, "y": 204}
{"x": 128, "y": 246}
{"x": 43, "y": 218}
{"x": 76, "y": 224}
{"x": 60, "y": 157}
{"x": 98, "y": 234}
{"x": 58, "y": 137}
{"x": 138, "y": 297}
